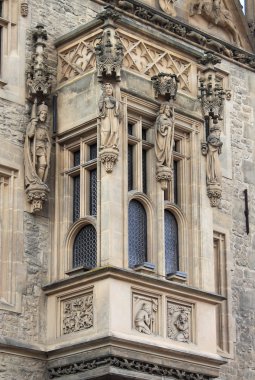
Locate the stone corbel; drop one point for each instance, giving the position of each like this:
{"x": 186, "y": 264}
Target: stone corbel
{"x": 109, "y": 51}
{"x": 24, "y": 8}
{"x": 165, "y": 85}
{"x": 37, "y": 195}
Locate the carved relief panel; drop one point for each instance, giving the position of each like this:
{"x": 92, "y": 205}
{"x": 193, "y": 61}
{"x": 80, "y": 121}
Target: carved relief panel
{"x": 76, "y": 313}
{"x": 146, "y": 314}
{"x": 179, "y": 322}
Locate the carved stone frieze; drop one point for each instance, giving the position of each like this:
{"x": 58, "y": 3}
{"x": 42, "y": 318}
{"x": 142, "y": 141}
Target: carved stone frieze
{"x": 179, "y": 322}
{"x": 145, "y": 314}
{"x": 164, "y": 140}
{"x": 109, "y": 51}
{"x": 39, "y": 77}
{"x": 143, "y": 367}
{"x": 166, "y": 85}
{"x": 24, "y": 8}
{"x": 77, "y": 314}
{"x": 216, "y": 13}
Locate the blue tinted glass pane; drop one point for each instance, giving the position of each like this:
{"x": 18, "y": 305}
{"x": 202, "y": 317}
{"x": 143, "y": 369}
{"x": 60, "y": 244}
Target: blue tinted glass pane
{"x": 171, "y": 243}
{"x": 85, "y": 248}
{"x": 137, "y": 234}
{"x": 130, "y": 167}
{"x": 76, "y": 198}
{"x": 93, "y": 151}
{"x": 77, "y": 158}
{"x": 93, "y": 192}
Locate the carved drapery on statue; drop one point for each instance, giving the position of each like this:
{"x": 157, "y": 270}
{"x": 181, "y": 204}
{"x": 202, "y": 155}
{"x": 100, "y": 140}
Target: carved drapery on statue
{"x": 37, "y": 141}
{"x": 164, "y": 139}
{"x": 215, "y": 12}
{"x": 109, "y": 114}
{"x": 212, "y": 98}
{"x": 165, "y": 86}
{"x": 109, "y": 51}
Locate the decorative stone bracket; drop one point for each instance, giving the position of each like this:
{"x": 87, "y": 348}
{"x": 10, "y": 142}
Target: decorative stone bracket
{"x": 109, "y": 157}
{"x": 37, "y": 195}
{"x": 165, "y": 85}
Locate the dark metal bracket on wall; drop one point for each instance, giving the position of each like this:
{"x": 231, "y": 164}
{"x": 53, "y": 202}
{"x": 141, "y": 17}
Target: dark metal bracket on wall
{"x": 246, "y": 211}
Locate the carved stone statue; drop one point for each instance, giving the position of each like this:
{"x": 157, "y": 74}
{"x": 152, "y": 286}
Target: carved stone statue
{"x": 143, "y": 319}
{"x": 37, "y": 156}
{"x": 215, "y": 13}
{"x": 213, "y": 163}
{"x": 109, "y": 115}
{"x": 182, "y": 325}
{"x": 37, "y": 147}
{"x": 168, "y": 6}
{"x": 164, "y": 133}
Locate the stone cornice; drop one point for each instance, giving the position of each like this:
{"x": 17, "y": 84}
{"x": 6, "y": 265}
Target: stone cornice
{"x": 159, "y": 283}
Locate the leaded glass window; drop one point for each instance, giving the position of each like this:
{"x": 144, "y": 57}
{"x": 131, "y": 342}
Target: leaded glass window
{"x": 76, "y": 197}
{"x": 93, "y": 192}
{"x": 171, "y": 243}
{"x": 77, "y": 158}
{"x": 137, "y": 234}
{"x": 130, "y": 167}
{"x": 93, "y": 151}
{"x": 85, "y": 248}
{"x": 144, "y": 169}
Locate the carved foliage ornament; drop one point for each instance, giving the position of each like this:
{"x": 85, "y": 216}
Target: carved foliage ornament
{"x": 78, "y": 314}
{"x": 166, "y": 85}
{"x": 127, "y": 364}
{"x": 109, "y": 51}
{"x": 24, "y": 8}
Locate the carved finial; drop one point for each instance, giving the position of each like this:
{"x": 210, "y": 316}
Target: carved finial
{"x": 166, "y": 85}
{"x": 39, "y": 77}
{"x": 109, "y": 51}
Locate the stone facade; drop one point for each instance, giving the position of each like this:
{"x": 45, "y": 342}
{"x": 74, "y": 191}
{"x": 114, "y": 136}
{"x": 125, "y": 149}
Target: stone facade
{"x": 47, "y": 304}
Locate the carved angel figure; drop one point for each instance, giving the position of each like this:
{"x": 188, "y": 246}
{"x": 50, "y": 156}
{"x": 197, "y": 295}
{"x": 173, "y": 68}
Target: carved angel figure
{"x": 37, "y": 146}
{"x": 164, "y": 135}
{"x": 110, "y": 114}
{"x": 143, "y": 319}
{"x": 214, "y": 145}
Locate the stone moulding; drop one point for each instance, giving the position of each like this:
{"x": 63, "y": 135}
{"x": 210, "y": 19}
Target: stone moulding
{"x": 126, "y": 364}
{"x": 168, "y": 23}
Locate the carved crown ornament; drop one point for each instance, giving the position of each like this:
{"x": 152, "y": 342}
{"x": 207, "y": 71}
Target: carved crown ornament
{"x": 109, "y": 50}
{"x": 37, "y": 146}
{"x": 166, "y": 85}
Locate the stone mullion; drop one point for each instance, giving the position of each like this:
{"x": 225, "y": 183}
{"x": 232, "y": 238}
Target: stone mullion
{"x": 125, "y": 181}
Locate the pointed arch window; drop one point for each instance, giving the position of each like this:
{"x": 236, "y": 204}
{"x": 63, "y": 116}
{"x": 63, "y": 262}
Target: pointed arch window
{"x": 85, "y": 248}
{"x": 171, "y": 243}
{"x": 137, "y": 234}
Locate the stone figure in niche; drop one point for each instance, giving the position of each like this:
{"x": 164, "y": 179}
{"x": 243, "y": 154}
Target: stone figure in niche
{"x": 144, "y": 319}
{"x": 110, "y": 115}
{"x": 214, "y": 146}
{"x": 182, "y": 325}
{"x": 37, "y": 146}
{"x": 164, "y": 135}
{"x": 215, "y": 13}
